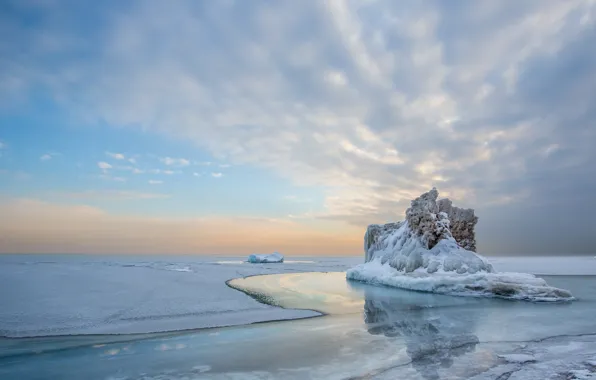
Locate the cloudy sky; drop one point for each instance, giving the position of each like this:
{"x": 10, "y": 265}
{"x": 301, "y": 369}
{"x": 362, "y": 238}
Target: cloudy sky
{"x": 239, "y": 126}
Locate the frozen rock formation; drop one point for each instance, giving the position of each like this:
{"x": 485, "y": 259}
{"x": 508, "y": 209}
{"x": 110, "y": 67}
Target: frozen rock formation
{"x": 462, "y": 223}
{"x": 433, "y": 250}
{"x": 275, "y": 257}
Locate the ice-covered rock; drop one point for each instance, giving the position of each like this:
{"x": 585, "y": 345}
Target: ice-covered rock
{"x": 433, "y": 250}
{"x": 461, "y": 223}
{"x": 274, "y": 257}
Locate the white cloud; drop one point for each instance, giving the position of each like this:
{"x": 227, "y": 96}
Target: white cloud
{"x": 104, "y": 165}
{"x": 132, "y": 161}
{"x": 116, "y": 156}
{"x": 112, "y": 195}
{"x": 196, "y": 174}
{"x": 166, "y": 172}
{"x": 155, "y": 182}
{"x": 49, "y": 156}
{"x": 106, "y": 176}
{"x": 225, "y": 166}
{"x": 296, "y": 199}
{"x": 175, "y": 161}
{"x": 336, "y": 78}
{"x": 137, "y": 171}
{"x": 216, "y": 175}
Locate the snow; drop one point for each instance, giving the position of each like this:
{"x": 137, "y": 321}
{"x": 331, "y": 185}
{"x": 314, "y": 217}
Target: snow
{"x": 556, "y": 358}
{"x": 518, "y": 358}
{"x": 274, "y": 257}
{"x": 422, "y": 254}
{"x": 581, "y": 374}
{"x": 71, "y": 294}
{"x": 517, "y": 286}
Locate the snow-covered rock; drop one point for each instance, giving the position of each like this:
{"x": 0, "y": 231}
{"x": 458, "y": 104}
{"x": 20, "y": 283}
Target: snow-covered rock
{"x": 274, "y": 257}
{"x": 433, "y": 251}
{"x": 461, "y": 223}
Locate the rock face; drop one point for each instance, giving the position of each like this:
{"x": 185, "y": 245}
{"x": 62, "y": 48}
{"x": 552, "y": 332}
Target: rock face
{"x": 462, "y": 223}
{"x": 426, "y": 221}
{"x": 433, "y": 221}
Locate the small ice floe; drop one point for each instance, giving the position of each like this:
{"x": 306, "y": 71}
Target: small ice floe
{"x": 274, "y": 257}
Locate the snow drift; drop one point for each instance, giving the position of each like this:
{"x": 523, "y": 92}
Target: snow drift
{"x": 275, "y": 257}
{"x": 433, "y": 251}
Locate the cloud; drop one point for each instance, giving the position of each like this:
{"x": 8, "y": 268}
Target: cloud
{"x": 295, "y": 199}
{"x": 48, "y": 156}
{"x": 175, "y": 161}
{"x": 166, "y": 172}
{"x": 116, "y": 156}
{"x": 196, "y": 174}
{"x": 374, "y": 102}
{"x": 336, "y": 78}
{"x": 104, "y": 165}
{"x": 216, "y": 175}
{"x": 106, "y": 176}
{"x": 225, "y": 166}
{"x": 33, "y": 226}
{"x": 116, "y": 195}
{"x": 2, "y": 145}
{"x": 155, "y": 182}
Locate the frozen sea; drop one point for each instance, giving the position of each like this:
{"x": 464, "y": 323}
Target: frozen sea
{"x": 150, "y": 317}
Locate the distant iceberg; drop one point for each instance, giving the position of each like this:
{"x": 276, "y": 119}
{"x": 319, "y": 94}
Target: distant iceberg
{"x": 433, "y": 250}
{"x": 274, "y": 257}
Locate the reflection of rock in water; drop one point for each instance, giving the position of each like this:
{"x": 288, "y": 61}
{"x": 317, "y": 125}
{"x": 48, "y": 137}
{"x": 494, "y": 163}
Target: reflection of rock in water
{"x": 433, "y": 338}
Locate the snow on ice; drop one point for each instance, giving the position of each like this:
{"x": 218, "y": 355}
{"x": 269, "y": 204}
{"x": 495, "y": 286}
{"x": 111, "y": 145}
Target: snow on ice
{"x": 433, "y": 251}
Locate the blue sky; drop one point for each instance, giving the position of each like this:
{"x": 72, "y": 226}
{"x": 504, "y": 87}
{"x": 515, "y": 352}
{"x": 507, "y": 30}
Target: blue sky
{"x": 293, "y": 124}
{"x": 51, "y": 157}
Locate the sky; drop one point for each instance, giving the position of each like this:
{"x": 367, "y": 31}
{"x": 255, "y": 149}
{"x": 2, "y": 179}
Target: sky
{"x": 233, "y": 127}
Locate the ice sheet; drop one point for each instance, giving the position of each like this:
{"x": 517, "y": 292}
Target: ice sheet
{"x": 74, "y": 294}
{"x": 396, "y": 334}
{"x": 52, "y": 295}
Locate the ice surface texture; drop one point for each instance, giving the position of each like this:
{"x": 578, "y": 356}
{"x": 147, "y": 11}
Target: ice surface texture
{"x": 433, "y": 251}
{"x": 92, "y": 294}
{"x": 275, "y": 257}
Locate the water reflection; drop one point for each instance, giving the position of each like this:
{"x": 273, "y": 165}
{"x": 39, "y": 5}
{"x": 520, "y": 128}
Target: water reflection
{"x": 434, "y": 331}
